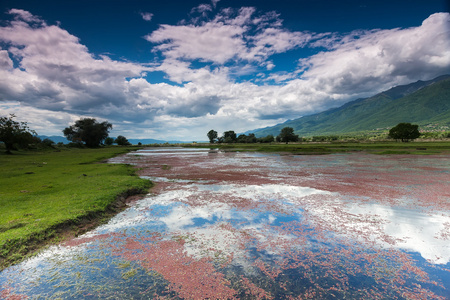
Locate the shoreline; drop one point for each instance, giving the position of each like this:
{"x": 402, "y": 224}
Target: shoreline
{"x": 17, "y": 247}
{"x": 71, "y": 229}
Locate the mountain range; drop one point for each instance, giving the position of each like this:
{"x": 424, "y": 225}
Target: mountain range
{"x": 58, "y": 139}
{"x": 421, "y": 102}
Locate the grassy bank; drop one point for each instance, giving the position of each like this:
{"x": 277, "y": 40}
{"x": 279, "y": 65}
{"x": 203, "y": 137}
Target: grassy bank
{"x": 43, "y": 195}
{"x": 309, "y": 148}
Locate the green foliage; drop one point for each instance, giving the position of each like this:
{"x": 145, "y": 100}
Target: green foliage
{"x": 229, "y": 137}
{"x": 14, "y": 133}
{"x": 89, "y": 131}
{"x": 242, "y": 138}
{"x": 404, "y": 132}
{"x": 122, "y": 141}
{"x": 287, "y": 135}
{"x": 39, "y": 191}
{"x": 212, "y": 136}
{"x": 267, "y": 139}
{"x": 109, "y": 141}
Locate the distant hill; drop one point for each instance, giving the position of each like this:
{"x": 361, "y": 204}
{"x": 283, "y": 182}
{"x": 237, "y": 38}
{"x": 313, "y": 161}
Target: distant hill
{"x": 62, "y": 139}
{"x": 421, "y": 102}
{"x": 54, "y": 138}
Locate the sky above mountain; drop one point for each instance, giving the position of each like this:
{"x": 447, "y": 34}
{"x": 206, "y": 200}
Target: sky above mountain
{"x": 173, "y": 70}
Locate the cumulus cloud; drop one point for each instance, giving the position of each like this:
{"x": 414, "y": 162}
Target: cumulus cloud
{"x": 364, "y": 60}
{"x": 55, "y": 71}
{"x": 219, "y": 72}
{"x": 231, "y": 36}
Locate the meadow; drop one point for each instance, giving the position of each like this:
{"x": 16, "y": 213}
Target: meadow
{"x": 44, "y": 195}
{"x": 314, "y": 148}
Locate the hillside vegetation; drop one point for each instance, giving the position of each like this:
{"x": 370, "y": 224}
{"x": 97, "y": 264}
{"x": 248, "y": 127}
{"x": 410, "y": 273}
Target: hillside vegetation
{"x": 422, "y": 102}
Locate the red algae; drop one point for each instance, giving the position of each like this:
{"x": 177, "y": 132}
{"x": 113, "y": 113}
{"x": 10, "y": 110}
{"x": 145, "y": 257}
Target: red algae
{"x": 7, "y": 294}
{"x": 327, "y": 270}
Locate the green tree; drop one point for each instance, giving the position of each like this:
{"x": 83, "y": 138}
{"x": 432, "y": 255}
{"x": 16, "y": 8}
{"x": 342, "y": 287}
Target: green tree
{"x": 89, "y": 131}
{"x": 229, "y": 136}
{"x": 266, "y": 139}
{"x": 122, "y": 141}
{"x": 12, "y": 132}
{"x": 287, "y": 135}
{"x": 109, "y": 141}
{"x": 404, "y": 132}
{"x": 212, "y": 136}
{"x": 48, "y": 142}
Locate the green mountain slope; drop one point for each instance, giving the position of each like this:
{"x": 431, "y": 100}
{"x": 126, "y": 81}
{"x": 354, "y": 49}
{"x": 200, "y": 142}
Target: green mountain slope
{"x": 422, "y": 102}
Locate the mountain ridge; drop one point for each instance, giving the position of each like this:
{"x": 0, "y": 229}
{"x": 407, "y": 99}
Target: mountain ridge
{"x": 420, "y": 102}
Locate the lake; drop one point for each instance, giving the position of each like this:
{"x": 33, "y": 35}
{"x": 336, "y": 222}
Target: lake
{"x": 243, "y": 225}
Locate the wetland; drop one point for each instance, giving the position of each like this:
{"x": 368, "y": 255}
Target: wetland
{"x": 249, "y": 225}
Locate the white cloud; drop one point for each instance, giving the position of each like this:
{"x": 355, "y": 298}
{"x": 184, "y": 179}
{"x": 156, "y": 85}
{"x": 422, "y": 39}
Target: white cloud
{"x": 370, "y": 60}
{"x": 20, "y": 14}
{"x": 231, "y": 35}
{"x": 56, "y": 72}
{"x": 47, "y": 68}
{"x": 147, "y": 16}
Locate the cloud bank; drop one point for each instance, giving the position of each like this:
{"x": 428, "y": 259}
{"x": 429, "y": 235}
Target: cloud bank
{"x": 219, "y": 70}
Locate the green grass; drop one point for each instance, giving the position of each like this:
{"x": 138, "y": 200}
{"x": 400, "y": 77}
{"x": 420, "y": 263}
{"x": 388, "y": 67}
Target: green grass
{"x": 42, "y": 191}
{"x": 418, "y": 147}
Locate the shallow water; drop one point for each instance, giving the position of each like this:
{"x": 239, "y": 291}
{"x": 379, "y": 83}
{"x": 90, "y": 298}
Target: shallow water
{"x": 261, "y": 226}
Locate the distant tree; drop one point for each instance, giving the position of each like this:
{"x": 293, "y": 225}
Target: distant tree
{"x": 89, "y": 131}
{"x": 229, "y": 137}
{"x": 122, "y": 141}
{"x": 287, "y": 135}
{"x": 212, "y": 136}
{"x": 109, "y": 141}
{"x": 48, "y": 142}
{"x": 12, "y": 132}
{"x": 404, "y": 132}
{"x": 266, "y": 139}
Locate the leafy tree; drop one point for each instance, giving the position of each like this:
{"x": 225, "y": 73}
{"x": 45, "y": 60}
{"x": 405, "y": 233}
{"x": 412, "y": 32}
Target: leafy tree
{"x": 109, "y": 141}
{"x": 212, "y": 136}
{"x": 267, "y": 139}
{"x": 229, "y": 136}
{"x": 12, "y": 132}
{"x": 287, "y": 135}
{"x": 89, "y": 131}
{"x": 250, "y": 138}
{"x": 404, "y": 132}
{"x": 48, "y": 142}
{"x": 122, "y": 141}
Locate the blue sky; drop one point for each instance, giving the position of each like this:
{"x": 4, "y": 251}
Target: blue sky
{"x": 174, "y": 70}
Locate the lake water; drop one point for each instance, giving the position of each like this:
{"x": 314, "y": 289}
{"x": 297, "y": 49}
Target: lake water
{"x": 231, "y": 225}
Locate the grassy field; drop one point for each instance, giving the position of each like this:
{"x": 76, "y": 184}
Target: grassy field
{"x": 420, "y": 147}
{"x": 44, "y": 194}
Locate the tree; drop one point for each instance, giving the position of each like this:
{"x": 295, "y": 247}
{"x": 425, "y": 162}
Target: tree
{"x": 109, "y": 141}
{"x": 212, "y": 136}
{"x": 12, "y": 132}
{"x": 404, "y": 132}
{"x": 122, "y": 141}
{"x": 229, "y": 136}
{"x": 267, "y": 139}
{"x": 287, "y": 135}
{"x": 89, "y": 131}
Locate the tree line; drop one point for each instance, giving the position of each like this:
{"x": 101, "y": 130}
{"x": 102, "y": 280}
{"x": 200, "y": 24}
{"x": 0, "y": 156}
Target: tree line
{"x": 85, "y": 132}
{"x": 91, "y": 133}
{"x": 403, "y": 131}
{"x": 286, "y": 135}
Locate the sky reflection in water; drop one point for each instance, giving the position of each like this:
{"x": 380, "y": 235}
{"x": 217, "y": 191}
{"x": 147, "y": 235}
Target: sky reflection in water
{"x": 237, "y": 225}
